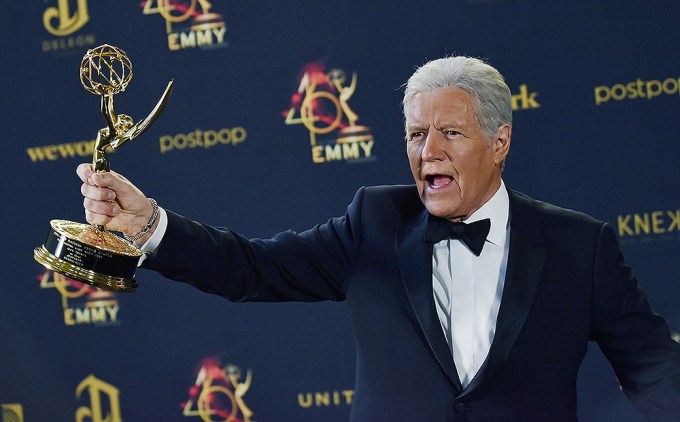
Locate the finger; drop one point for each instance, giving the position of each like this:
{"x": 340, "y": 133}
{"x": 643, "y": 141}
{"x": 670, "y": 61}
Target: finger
{"x": 97, "y": 219}
{"x": 115, "y": 188}
{"x": 111, "y": 180}
{"x": 104, "y": 208}
{"x": 84, "y": 171}
{"x": 128, "y": 196}
{"x": 103, "y": 179}
{"x": 97, "y": 193}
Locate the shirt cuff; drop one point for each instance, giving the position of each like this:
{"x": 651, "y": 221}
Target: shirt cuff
{"x": 149, "y": 247}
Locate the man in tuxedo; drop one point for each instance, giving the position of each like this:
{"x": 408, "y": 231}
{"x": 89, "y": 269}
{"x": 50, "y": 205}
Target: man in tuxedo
{"x": 470, "y": 302}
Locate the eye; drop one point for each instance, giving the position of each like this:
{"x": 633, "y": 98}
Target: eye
{"x": 451, "y": 132}
{"x": 414, "y": 136}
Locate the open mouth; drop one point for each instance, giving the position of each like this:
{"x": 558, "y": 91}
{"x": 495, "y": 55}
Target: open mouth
{"x": 438, "y": 181}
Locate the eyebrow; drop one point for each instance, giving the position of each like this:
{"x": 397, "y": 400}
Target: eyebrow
{"x": 417, "y": 126}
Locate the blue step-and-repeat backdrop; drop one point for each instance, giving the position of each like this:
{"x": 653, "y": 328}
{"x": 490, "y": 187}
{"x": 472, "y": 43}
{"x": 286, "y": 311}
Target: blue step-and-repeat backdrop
{"x": 596, "y": 93}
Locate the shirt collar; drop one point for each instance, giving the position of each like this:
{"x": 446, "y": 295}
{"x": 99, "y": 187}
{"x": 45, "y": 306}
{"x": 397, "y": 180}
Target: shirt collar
{"x": 497, "y": 209}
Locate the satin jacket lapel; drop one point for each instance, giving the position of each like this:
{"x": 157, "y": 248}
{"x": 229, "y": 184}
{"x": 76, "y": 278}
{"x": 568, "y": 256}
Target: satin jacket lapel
{"x": 415, "y": 264}
{"x": 526, "y": 260}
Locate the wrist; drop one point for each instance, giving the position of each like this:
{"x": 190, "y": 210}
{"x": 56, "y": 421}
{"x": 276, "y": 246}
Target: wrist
{"x": 147, "y": 230}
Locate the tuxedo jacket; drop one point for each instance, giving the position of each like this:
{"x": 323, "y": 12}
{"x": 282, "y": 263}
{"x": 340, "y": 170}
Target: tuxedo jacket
{"x": 566, "y": 284}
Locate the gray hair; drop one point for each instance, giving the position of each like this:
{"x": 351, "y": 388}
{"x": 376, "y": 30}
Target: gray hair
{"x": 491, "y": 96}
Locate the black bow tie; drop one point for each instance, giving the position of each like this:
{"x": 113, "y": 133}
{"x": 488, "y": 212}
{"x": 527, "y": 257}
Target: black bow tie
{"x": 472, "y": 234}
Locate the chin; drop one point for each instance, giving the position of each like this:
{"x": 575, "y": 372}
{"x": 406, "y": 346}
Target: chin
{"x": 440, "y": 210}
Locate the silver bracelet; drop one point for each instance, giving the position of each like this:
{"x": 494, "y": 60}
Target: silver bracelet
{"x": 148, "y": 226}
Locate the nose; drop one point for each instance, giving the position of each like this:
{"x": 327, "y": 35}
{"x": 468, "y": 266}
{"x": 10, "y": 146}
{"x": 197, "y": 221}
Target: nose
{"x": 433, "y": 150}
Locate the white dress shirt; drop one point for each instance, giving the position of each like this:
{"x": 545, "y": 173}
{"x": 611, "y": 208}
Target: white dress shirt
{"x": 468, "y": 288}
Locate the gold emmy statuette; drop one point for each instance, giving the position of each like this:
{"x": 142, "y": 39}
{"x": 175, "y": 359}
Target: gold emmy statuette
{"x": 88, "y": 253}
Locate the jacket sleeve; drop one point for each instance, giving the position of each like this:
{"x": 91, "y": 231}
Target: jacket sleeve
{"x": 310, "y": 266}
{"x": 636, "y": 341}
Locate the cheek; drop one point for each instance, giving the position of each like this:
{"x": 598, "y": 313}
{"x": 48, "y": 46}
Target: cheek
{"x": 413, "y": 155}
{"x": 472, "y": 164}
{"x": 411, "y": 148}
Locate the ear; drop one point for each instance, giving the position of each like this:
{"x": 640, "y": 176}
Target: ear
{"x": 501, "y": 144}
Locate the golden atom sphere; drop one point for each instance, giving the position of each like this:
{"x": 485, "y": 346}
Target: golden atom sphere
{"x": 105, "y": 70}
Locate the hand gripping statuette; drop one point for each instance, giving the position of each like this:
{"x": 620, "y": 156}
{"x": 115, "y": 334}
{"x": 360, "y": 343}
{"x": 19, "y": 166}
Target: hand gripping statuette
{"x": 87, "y": 253}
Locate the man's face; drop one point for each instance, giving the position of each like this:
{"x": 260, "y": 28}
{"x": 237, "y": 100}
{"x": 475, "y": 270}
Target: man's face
{"x": 455, "y": 167}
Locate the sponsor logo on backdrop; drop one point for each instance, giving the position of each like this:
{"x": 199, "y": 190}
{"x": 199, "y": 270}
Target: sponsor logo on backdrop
{"x": 321, "y": 105}
{"x": 525, "y": 100}
{"x": 326, "y": 398}
{"x": 217, "y": 393}
{"x": 82, "y": 304}
{"x": 189, "y": 23}
{"x": 198, "y": 138}
{"x": 61, "y": 151}
{"x": 203, "y": 139}
{"x": 12, "y": 412}
{"x": 103, "y": 398}
{"x": 63, "y": 18}
{"x": 637, "y": 89}
{"x": 649, "y": 225}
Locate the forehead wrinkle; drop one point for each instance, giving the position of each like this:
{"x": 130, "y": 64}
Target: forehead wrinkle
{"x": 451, "y": 122}
{"x": 451, "y": 115}
{"x": 444, "y": 124}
